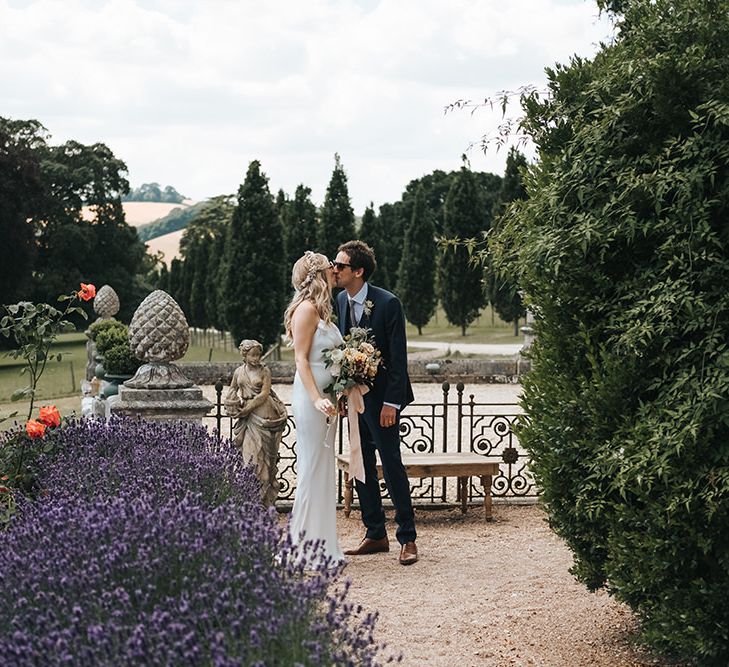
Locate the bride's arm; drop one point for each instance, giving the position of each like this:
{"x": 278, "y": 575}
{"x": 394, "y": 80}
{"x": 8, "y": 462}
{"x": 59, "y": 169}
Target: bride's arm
{"x": 303, "y": 324}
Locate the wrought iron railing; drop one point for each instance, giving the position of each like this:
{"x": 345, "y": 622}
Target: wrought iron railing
{"x": 460, "y": 425}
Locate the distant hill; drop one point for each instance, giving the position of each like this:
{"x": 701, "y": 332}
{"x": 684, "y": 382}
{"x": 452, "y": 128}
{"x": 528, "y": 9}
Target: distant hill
{"x": 176, "y": 219}
{"x": 142, "y": 213}
{"x": 168, "y": 245}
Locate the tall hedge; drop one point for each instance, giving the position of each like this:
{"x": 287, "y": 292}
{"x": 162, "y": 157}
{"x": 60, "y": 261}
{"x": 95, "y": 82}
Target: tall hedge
{"x": 623, "y": 251}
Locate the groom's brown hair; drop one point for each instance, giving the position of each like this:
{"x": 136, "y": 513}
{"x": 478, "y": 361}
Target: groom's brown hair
{"x": 361, "y": 256}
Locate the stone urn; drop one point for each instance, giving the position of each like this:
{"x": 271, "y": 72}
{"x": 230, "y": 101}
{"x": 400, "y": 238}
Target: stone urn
{"x": 158, "y": 336}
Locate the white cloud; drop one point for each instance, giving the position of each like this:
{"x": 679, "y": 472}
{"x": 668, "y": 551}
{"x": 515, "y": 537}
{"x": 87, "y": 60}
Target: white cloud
{"x": 187, "y": 93}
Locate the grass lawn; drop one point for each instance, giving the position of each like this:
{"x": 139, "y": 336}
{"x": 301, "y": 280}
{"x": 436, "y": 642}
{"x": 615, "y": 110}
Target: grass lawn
{"x": 488, "y": 328}
{"x": 63, "y": 378}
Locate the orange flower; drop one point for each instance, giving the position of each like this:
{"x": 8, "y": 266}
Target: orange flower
{"x": 49, "y": 415}
{"x": 87, "y": 292}
{"x": 35, "y": 429}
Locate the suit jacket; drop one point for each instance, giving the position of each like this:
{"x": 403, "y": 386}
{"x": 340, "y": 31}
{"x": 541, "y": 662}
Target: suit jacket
{"x": 387, "y": 322}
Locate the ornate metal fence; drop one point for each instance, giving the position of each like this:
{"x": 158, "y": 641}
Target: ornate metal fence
{"x": 460, "y": 425}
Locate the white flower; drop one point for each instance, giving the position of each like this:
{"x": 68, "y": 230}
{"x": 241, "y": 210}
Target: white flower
{"x": 335, "y": 370}
{"x": 336, "y": 356}
{"x": 367, "y": 308}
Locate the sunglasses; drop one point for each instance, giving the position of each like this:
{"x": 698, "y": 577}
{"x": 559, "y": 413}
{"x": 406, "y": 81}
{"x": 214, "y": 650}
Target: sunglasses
{"x": 339, "y": 266}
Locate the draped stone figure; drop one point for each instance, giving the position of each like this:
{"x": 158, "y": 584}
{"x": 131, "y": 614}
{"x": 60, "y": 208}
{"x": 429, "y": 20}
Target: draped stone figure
{"x": 260, "y": 417}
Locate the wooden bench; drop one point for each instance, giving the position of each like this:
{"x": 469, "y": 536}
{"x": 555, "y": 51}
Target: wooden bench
{"x": 462, "y": 465}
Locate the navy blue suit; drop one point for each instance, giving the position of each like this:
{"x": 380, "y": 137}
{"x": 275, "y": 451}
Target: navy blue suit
{"x": 392, "y": 385}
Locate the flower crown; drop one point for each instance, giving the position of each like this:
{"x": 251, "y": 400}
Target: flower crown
{"x": 312, "y": 270}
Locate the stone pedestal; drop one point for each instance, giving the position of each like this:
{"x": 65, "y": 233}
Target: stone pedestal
{"x": 162, "y": 404}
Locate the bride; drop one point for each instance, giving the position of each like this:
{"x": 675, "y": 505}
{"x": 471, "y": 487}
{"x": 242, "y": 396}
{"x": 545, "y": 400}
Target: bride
{"x": 308, "y": 323}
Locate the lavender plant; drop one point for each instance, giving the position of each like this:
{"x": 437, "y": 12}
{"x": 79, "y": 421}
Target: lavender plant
{"x": 149, "y": 545}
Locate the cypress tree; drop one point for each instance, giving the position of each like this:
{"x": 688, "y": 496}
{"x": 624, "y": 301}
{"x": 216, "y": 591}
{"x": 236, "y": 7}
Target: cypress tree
{"x": 391, "y": 224}
{"x": 198, "y": 290}
{"x": 299, "y": 225}
{"x": 336, "y": 224}
{"x": 253, "y": 273}
{"x": 175, "y": 278}
{"x": 503, "y": 288}
{"x": 459, "y": 279}
{"x": 371, "y": 233}
{"x": 209, "y": 227}
{"x": 416, "y": 284}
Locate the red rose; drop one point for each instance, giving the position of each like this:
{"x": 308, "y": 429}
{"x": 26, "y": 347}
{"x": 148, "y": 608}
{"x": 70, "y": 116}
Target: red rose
{"x": 35, "y": 429}
{"x": 87, "y": 292}
{"x": 49, "y": 415}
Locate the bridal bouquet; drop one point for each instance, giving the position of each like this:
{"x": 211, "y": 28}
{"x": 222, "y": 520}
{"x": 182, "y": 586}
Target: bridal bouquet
{"x": 353, "y": 362}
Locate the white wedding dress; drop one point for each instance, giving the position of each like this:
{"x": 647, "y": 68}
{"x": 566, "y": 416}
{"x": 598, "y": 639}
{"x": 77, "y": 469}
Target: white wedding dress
{"x": 314, "y": 513}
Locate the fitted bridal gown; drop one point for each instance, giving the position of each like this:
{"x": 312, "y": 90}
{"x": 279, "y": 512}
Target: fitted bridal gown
{"x": 314, "y": 513}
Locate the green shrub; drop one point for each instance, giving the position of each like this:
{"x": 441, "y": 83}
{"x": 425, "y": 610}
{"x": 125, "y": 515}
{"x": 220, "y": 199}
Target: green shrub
{"x": 119, "y": 360}
{"x": 101, "y": 326}
{"x": 623, "y": 252}
{"x": 112, "y": 342}
{"x": 116, "y": 337}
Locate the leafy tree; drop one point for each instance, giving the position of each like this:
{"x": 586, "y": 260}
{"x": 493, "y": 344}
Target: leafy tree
{"x": 371, "y": 233}
{"x": 503, "y": 290}
{"x": 416, "y": 286}
{"x": 253, "y": 276}
{"x": 336, "y": 221}
{"x": 21, "y": 190}
{"x": 459, "y": 278}
{"x": 299, "y": 225}
{"x": 622, "y": 249}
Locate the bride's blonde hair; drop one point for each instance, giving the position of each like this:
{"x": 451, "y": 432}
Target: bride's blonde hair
{"x": 309, "y": 279}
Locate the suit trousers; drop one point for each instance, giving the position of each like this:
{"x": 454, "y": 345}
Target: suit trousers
{"x": 386, "y": 441}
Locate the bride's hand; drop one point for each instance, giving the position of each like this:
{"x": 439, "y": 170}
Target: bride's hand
{"x": 326, "y": 406}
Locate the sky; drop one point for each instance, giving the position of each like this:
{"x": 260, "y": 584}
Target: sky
{"x": 188, "y": 93}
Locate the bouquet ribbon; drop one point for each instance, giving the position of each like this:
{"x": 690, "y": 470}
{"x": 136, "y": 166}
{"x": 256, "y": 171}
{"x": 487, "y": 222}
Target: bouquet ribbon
{"x": 355, "y": 407}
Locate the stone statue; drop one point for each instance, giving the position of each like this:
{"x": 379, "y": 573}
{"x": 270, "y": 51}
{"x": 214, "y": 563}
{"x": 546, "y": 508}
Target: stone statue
{"x": 261, "y": 417}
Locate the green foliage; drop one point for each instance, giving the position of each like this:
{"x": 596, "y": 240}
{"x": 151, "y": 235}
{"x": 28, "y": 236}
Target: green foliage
{"x": 120, "y": 360}
{"x": 336, "y": 220}
{"x": 622, "y": 249}
{"x": 299, "y": 225}
{"x": 111, "y": 337}
{"x": 112, "y": 342}
{"x": 21, "y": 190}
{"x": 152, "y": 192}
{"x": 371, "y": 232}
{"x": 253, "y": 278}
{"x": 460, "y": 282}
{"x": 416, "y": 285}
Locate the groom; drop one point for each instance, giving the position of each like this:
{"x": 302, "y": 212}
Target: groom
{"x": 364, "y": 305}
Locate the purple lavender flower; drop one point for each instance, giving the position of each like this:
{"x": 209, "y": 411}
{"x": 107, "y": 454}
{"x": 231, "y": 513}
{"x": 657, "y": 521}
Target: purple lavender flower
{"x": 150, "y": 546}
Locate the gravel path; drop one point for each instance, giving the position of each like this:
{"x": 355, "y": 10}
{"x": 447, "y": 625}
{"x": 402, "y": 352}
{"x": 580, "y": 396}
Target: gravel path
{"x": 489, "y": 595}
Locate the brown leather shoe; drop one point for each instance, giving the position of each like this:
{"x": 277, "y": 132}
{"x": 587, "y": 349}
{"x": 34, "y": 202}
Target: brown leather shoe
{"x": 408, "y": 554}
{"x": 369, "y": 546}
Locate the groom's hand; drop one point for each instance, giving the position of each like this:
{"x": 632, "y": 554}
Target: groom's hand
{"x": 388, "y": 416}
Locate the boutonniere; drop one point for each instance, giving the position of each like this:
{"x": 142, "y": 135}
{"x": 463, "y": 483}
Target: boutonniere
{"x": 367, "y": 308}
